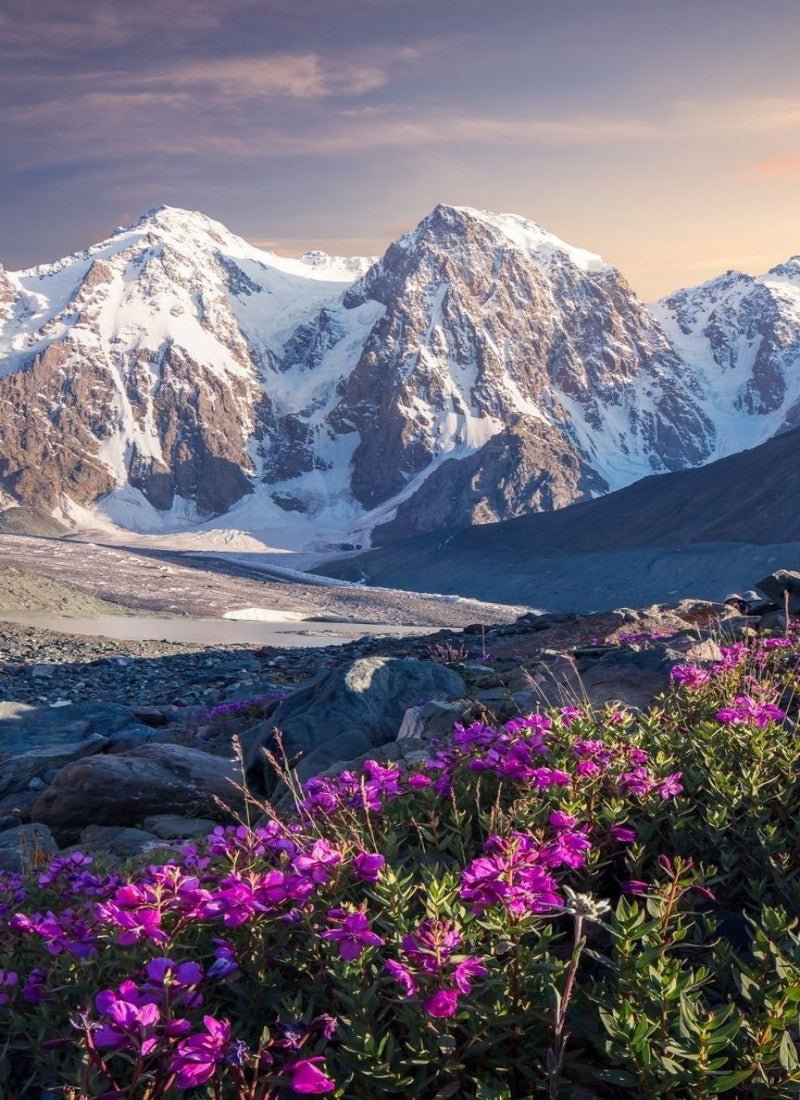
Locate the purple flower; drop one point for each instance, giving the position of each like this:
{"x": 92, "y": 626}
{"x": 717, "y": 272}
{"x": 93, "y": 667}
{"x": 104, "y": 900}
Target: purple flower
{"x": 670, "y": 786}
{"x": 443, "y": 1003}
{"x": 319, "y": 862}
{"x": 690, "y": 676}
{"x": 638, "y": 782}
{"x": 368, "y": 865}
{"x": 403, "y": 975}
{"x": 306, "y": 1077}
{"x": 196, "y": 1058}
{"x": 748, "y": 711}
{"x": 129, "y": 1023}
{"x": 623, "y": 834}
{"x": 353, "y": 934}
{"x": 634, "y": 886}
{"x": 33, "y": 990}
{"x": 512, "y": 874}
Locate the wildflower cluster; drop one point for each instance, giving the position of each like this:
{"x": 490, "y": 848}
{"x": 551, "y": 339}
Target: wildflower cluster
{"x": 402, "y": 927}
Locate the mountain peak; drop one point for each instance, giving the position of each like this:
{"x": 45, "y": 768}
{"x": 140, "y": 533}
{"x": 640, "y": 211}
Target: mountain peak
{"x": 451, "y": 224}
{"x": 177, "y": 221}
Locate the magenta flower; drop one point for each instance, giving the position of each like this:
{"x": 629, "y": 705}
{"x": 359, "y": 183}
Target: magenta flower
{"x": 623, "y": 834}
{"x": 306, "y": 1077}
{"x": 638, "y": 782}
{"x": 368, "y": 865}
{"x": 196, "y": 1058}
{"x": 670, "y": 786}
{"x": 403, "y": 975}
{"x": 319, "y": 862}
{"x": 634, "y": 886}
{"x": 353, "y": 933}
{"x": 465, "y": 971}
{"x": 690, "y": 676}
{"x": 748, "y": 711}
{"x": 444, "y": 1002}
{"x": 129, "y": 1023}
{"x": 513, "y": 874}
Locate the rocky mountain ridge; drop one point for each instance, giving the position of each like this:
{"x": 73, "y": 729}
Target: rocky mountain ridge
{"x": 174, "y": 377}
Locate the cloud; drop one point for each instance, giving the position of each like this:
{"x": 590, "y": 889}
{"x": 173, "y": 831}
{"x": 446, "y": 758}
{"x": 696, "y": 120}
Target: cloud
{"x": 782, "y": 164}
{"x": 301, "y": 76}
{"x": 31, "y": 29}
{"x": 745, "y": 114}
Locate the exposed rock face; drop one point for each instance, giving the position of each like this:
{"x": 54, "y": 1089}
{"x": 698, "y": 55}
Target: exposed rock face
{"x": 25, "y": 846}
{"x": 481, "y": 370}
{"x": 138, "y": 365}
{"x": 514, "y": 473}
{"x": 740, "y": 335}
{"x": 123, "y": 789}
{"x": 344, "y": 713}
{"x": 490, "y": 320}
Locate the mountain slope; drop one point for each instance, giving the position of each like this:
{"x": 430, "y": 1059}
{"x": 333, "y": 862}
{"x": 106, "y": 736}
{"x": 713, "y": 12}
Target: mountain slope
{"x": 139, "y": 363}
{"x": 173, "y": 377}
{"x": 740, "y": 336}
{"x": 708, "y": 529}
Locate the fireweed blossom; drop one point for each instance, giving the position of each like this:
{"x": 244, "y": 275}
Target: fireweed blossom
{"x": 351, "y": 932}
{"x": 305, "y": 1076}
{"x": 690, "y": 676}
{"x": 514, "y": 873}
{"x": 197, "y": 1057}
{"x": 748, "y": 711}
{"x": 432, "y": 970}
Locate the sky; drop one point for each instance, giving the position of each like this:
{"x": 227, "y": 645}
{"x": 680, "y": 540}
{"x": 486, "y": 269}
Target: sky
{"x": 663, "y": 134}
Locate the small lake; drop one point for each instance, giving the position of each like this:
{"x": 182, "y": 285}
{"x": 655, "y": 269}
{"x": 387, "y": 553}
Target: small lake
{"x": 153, "y": 628}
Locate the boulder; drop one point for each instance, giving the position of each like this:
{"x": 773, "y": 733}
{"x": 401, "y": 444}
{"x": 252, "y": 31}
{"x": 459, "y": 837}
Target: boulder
{"x": 17, "y": 806}
{"x": 18, "y": 771}
{"x": 131, "y": 737}
{"x": 124, "y": 788}
{"x": 174, "y": 827}
{"x": 362, "y": 702}
{"x": 432, "y": 720}
{"x": 632, "y": 678}
{"x": 24, "y": 846}
{"x": 120, "y": 842}
{"x": 780, "y": 582}
{"x": 34, "y": 740}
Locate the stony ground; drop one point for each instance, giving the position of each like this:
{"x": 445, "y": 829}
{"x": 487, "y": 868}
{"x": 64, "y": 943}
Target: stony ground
{"x": 104, "y": 734}
{"x": 185, "y": 584}
{"x": 44, "y": 667}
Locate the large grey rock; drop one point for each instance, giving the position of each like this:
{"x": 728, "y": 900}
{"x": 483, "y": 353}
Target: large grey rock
{"x": 780, "y": 582}
{"x": 131, "y": 737}
{"x": 633, "y": 679}
{"x": 124, "y": 788}
{"x": 357, "y": 706}
{"x": 433, "y": 719}
{"x": 117, "y": 841}
{"x": 17, "y": 806}
{"x": 25, "y": 846}
{"x": 18, "y": 771}
{"x": 24, "y": 728}
{"x": 334, "y": 755}
{"x": 174, "y": 827}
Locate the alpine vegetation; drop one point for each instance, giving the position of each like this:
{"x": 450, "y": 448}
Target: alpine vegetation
{"x": 575, "y": 901}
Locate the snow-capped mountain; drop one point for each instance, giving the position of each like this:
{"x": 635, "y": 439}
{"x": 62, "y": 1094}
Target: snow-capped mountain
{"x": 739, "y": 335}
{"x": 173, "y": 377}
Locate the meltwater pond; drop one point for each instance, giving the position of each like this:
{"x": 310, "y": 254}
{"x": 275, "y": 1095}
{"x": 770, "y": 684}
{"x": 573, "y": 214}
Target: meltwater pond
{"x": 154, "y": 628}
